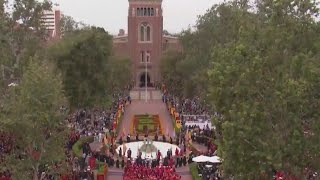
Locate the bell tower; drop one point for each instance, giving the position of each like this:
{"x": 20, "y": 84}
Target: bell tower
{"x": 145, "y": 27}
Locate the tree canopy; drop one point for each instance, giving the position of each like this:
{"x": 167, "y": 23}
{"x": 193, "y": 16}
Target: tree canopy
{"x": 32, "y": 114}
{"x": 89, "y": 70}
{"x": 258, "y": 65}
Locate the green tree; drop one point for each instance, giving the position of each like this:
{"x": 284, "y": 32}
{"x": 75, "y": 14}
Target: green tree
{"x": 22, "y": 33}
{"x": 171, "y": 74}
{"x": 258, "y": 65}
{"x": 119, "y": 74}
{"x": 263, "y": 83}
{"x": 68, "y": 25}
{"x": 82, "y": 57}
{"x": 32, "y": 114}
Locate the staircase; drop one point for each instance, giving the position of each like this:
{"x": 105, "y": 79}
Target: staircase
{"x": 140, "y": 94}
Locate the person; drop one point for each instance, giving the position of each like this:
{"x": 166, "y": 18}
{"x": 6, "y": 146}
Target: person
{"x": 184, "y": 160}
{"x": 117, "y": 163}
{"x": 156, "y": 137}
{"x": 137, "y": 137}
{"x": 120, "y": 140}
{"x": 163, "y": 138}
{"x": 120, "y": 152}
{"x": 170, "y": 140}
{"x": 122, "y": 163}
{"x": 128, "y": 138}
{"x": 129, "y": 99}
{"x": 129, "y": 153}
{"x": 177, "y": 152}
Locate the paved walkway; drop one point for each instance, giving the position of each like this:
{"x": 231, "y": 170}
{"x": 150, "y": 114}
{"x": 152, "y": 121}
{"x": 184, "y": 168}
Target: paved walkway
{"x": 114, "y": 174}
{"x": 154, "y": 106}
{"x": 150, "y": 107}
{"x": 184, "y": 172}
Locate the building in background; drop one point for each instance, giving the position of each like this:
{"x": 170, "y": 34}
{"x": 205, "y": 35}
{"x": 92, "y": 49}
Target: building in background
{"x": 51, "y": 22}
{"x": 145, "y": 41}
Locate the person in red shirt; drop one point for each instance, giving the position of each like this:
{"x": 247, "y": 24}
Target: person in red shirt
{"x": 177, "y": 152}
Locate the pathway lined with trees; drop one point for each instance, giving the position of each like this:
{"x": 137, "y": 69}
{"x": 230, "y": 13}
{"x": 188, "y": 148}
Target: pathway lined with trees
{"x": 256, "y": 64}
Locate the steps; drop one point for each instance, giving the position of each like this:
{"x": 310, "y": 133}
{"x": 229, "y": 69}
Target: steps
{"x": 140, "y": 94}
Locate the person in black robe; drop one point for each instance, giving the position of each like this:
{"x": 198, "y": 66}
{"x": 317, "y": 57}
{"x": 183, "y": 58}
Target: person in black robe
{"x": 156, "y": 137}
{"x": 117, "y": 163}
{"x": 122, "y": 163}
{"x": 129, "y": 153}
{"x": 120, "y": 152}
{"x": 163, "y": 138}
{"x": 180, "y": 162}
{"x": 120, "y": 141}
{"x": 170, "y": 140}
{"x": 184, "y": 160}
{"x": 137, "y": 137}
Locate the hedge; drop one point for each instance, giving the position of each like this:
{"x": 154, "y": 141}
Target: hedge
{"x": 194, "y": 171}
{"x": 77, "y": 147}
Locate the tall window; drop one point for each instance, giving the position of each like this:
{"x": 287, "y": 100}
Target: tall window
{"x": 148, "y": 56}
{"x": 142, "y": 56}
{"x": 148, "y": 33}
{"x": 138, "y": 11}
{"x": 145, "y": 32}
{"x": 145, "y": 56}
{"x": 144, "y": 11}
{"x": 142, "y": 33}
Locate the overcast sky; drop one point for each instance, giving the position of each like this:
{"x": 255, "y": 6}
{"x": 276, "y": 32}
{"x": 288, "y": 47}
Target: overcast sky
{"x": 112, "y": 14}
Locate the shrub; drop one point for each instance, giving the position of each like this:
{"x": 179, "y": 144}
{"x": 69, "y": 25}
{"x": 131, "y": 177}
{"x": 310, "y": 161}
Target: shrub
{"x": 77, "y": 147}
{"x": 194, "y": 171}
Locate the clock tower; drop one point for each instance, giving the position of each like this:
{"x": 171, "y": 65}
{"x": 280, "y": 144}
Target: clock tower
{"x": 145, "y": 27}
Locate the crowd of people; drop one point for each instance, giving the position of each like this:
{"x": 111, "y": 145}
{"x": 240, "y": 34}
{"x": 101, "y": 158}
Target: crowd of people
{"x": 6, "y": 146}
{"x": 94, "y": 122}
{"x": 141, "y": 169}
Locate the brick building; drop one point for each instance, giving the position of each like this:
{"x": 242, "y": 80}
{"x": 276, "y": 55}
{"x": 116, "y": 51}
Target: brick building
{"x": 145, "y": 42}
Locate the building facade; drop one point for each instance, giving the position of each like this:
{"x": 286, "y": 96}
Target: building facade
{"x": 51, "y": 22}
{"x": 145, "y": 42}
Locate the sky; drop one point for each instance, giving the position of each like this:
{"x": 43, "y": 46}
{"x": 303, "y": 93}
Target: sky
{"x": 112, "y": 14}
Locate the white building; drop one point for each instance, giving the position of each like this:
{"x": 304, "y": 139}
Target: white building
{"x": 51, "y": 21}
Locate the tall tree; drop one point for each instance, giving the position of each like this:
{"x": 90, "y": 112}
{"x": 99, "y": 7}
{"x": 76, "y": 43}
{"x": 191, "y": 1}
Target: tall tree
{"x": 119, "y": 74}
{"x": 68, "y": 24}
{"x": 82, "y": 57}
{"x": 22, "y": 33}
{"x": 263, "y": 83}
{"x": 258, "y": 65}
{"x": 32, "y": 115}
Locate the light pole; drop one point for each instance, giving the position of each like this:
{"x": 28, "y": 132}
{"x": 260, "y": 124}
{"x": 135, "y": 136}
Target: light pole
{"x": 146, "y": 81}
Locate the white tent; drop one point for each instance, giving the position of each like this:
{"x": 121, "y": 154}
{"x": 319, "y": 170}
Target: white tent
{"x": 214, "y": 159}
{"x": 201, "y": 159}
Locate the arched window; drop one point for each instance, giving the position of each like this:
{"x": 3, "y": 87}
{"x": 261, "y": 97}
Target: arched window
{"x": 145, "y": 12}
{"x": 149, "y": 12}
{"x": 138, "y": 11}
{"x": 148, "y": 33}
{"x": 145, "y": 32}
{"x": 152, "y": 12}
{"x": 142, "y": 33}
